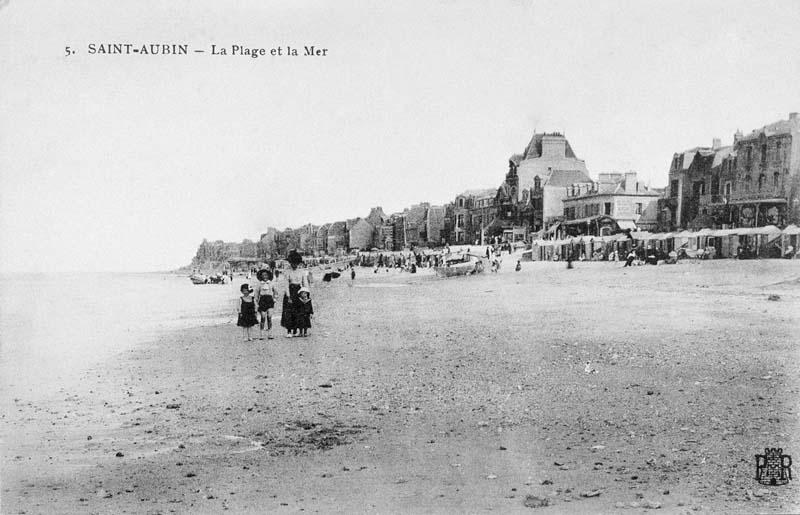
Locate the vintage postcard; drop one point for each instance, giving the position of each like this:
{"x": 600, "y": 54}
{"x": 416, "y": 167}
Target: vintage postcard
{"x": 520, "y": 256}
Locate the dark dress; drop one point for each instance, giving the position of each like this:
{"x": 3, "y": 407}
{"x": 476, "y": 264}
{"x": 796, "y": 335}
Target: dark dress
{"x": 265, "y": 302}
{"x": 289, "y": 310}
{"x": 247, "y": 315}
{"x": 304, "y": 312}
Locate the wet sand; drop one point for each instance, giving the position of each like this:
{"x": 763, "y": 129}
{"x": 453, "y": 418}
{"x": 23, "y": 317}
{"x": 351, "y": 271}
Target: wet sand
{"x": 414, "y": 394}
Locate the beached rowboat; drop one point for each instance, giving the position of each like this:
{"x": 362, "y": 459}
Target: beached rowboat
{"x": 461, "y": 267}
{"x": 199, "y": 278}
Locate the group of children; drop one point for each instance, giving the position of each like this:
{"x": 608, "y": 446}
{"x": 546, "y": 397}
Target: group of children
{"x": 256, "y": 308}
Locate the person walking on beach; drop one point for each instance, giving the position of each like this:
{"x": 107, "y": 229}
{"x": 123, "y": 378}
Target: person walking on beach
{"x": 265, "y": 300}
{"x": 304, "y": 311}
{"x": 247, "y": 312}
{"x": 296, "y": 279}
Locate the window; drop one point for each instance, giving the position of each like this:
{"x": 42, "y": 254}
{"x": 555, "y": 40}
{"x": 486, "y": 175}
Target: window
{"x": 728, "y": 189}
{"x": 607, "y": 208}
{"x": 673, "y": 188}
{"x": 747, "y": 182}
{"x": 763, "y": 155}
{"x": 776, "y": 180}
{"x": 699, "y": 188}
{"x": 638, "y": 208}
{"x": 761, "y": 180}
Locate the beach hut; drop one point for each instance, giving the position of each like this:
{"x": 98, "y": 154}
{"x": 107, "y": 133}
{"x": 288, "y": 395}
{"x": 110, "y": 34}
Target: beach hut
{"x": 724, "y": 241}
{"x": 682, "y": 240}
{"x": 790, "y": 242}
{"x": 768, "y": 241}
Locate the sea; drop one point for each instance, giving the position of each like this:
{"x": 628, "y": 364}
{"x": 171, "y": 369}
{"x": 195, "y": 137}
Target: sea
{"x": 55, "y": 326}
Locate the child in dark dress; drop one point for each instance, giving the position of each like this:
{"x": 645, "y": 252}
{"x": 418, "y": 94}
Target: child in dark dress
{"x": 304, "y": 311}
{"x": 247, "y": 312}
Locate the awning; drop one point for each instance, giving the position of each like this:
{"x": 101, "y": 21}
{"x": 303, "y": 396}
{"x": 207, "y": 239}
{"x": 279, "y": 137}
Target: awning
{"x": 792, "y": 229}
{"x": 553, "y": 228}
{"x": 579, "y": 221}
{"x": 662, "y": 236}
{"x": 626, "y": 224}
{"x": 767, "y": 229}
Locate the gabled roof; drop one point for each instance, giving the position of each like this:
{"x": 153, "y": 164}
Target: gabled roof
{"x": 720, "y": 155}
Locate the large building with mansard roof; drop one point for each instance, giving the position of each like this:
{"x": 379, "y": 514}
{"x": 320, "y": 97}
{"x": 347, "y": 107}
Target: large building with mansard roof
{"x": 530, "y": 198}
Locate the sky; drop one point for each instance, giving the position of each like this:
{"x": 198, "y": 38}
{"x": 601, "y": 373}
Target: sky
{"x": 127, "y": 162}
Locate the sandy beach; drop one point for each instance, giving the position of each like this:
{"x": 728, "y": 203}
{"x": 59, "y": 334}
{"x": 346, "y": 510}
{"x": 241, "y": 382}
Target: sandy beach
{"x": 415, "y": 394}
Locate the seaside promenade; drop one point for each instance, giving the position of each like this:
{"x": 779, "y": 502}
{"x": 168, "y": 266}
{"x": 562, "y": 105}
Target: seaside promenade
{"x": 415, "y": 394}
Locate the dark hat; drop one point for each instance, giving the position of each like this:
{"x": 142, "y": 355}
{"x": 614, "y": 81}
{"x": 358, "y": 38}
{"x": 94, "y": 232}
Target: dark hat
{"x": 294, "y": 258}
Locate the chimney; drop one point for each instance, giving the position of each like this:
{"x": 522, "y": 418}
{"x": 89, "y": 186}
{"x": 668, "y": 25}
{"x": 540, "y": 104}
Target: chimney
{"x": 717, "y": 143}
{"x": 630, "y": 182}
{"x": 554, "y": 147}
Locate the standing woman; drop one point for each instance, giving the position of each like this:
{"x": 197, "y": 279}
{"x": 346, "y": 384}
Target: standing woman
{"x": 296, "y": 279}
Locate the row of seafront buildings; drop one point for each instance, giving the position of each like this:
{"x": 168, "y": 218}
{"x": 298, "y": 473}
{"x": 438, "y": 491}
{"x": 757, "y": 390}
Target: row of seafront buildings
{"x": 547, "y": 193}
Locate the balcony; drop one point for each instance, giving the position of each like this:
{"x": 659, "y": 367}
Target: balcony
{"x": 765, "y": 194}
{"x": 708, "y": 200}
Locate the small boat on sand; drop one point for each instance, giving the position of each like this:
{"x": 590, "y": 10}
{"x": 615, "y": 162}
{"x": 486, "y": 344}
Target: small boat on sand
{"x": 467, "y": 264}
{"x": 198, "y": 278}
